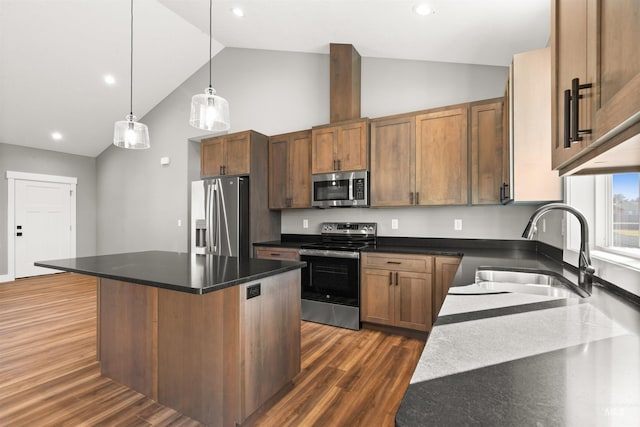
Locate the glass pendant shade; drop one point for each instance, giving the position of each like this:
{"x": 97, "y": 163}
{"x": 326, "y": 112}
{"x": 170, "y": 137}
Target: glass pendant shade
{"x": 131, "y": 134}
{"x": 209, "y": 111}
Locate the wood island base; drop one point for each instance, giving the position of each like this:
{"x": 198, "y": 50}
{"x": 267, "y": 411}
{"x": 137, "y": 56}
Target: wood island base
{"x": 217, "y": 357}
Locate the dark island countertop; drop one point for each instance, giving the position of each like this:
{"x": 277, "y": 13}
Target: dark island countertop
{"x": 183, "y": 272}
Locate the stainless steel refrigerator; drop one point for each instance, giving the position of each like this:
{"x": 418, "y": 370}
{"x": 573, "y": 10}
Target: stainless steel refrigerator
{"x": 220, "y": 216}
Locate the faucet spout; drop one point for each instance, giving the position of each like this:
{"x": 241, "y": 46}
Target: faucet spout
{"x": 585, "y": 268}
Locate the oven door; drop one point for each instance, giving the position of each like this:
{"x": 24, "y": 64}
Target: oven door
{"x": 331, "y": 277}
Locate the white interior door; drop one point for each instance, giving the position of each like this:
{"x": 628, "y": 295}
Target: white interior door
{"x": 43, "y": 225}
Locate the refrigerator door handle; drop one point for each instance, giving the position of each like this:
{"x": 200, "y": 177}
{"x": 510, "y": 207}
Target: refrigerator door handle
{"x": 216, "y": 220}
{"x": 207, "y": 216}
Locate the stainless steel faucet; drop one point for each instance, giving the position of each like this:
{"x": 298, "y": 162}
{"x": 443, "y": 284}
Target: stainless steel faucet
{"x": 585, "y": 269}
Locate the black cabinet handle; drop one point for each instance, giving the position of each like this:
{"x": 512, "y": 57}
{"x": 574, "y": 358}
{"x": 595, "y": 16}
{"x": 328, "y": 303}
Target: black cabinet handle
{"x": 221, "y": 170}
{"x": 572, "y": 131}
{"x": 390, "y": 278}
{"x": 567, "y": 118}
{"x": 417, "y": 197}
{"x": 339, "y": 165}
{"x": 394, "y": 262}
{"x": 411, "y": 197}
{"x": 396, "y": 278}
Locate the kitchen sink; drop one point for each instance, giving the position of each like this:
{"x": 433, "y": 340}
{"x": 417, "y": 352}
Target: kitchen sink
{"x": 528, "y": 282}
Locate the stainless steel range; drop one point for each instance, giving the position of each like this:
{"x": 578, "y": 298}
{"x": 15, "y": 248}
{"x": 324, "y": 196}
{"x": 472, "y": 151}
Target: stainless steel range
{"x": 331, "y": 280}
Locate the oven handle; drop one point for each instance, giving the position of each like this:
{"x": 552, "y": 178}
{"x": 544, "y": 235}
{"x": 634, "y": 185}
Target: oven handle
{"x": 330, "y": 254}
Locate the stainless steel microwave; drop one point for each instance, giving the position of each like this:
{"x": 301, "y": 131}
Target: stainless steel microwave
{"x": 340, "y": 189}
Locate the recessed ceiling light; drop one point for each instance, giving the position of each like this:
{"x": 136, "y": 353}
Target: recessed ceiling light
{"x": 109, "y": 79}
{"x": 57, "y": 136}
{"x": 238, "y": 12}
{"x": 423, "y": 9}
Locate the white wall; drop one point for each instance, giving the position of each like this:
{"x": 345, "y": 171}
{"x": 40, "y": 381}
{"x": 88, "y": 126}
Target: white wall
{"x": 33, "y": 160}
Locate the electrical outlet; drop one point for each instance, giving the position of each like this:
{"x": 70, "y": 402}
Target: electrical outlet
{"x": 457, "y": 224}
{"x": 179, "y": 223}
{"x": 394, "y": 224}
{"x": 305, "y": 223}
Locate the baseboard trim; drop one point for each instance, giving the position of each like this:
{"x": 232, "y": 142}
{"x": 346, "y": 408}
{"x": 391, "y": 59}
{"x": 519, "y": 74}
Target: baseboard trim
{"x": 6, "y": 278}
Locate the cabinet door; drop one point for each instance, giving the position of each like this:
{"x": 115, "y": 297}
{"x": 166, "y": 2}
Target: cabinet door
{"x": 211, "y": 157}
{"x": 487, "y": 153}
{"x": 237, "y": 152}
{"x": 376, "y": 296}
{"x": 351, "y": 150}
{"x": 299, "y": 167}
{"x": 569, "y": 58}
{"x": 323, "y": 145}
{"x": 617, "y": 31}
{"x": 278, "y": 176}
{"x": 441, "y": 157}
{"x": 393, "y": 144}
{"x": 413, "y": 300}
{"x": 445, "y": 270}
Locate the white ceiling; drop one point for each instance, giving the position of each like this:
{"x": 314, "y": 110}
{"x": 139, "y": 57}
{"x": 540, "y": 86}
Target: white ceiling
{"x": 54, "y": 53}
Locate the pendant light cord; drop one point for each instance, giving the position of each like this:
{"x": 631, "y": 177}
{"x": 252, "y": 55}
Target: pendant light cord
{"x": 210, "y": 37}
{"x": 131, "y": 66}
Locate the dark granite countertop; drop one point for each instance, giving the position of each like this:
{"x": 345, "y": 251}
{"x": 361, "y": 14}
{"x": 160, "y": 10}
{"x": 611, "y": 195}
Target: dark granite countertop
{"x": 528, "y": 360}
{"x": 196, "y": 274}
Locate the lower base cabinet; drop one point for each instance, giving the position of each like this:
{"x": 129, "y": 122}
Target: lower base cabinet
{"x": 396, "y": 290}
{"x": 444, "y": 272}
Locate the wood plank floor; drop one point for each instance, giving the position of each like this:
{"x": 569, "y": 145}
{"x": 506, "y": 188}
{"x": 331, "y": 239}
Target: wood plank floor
{"x": 49, "y": 375}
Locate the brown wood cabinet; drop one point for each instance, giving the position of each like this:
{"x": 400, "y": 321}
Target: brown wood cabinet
{"x": 290, "y": 170}
{"x": 596, "y": 42}
{"x": 340, "y": 147}
{"x": 227, "y": 154}
{"x": 393, "y": 146}
{"x": 444, "y": 272}
{"x": 396, "y": 290}
{"x": 420, "y": 158}
{"x": 569, "y": 50}
{"x": 441, "y": 157}
{"x": 277, "y": 253}
{"x": 488, "y": 152}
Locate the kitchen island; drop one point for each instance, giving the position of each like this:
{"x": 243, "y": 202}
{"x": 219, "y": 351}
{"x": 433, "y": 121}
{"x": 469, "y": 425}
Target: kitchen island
{"x": 216, "y": 338}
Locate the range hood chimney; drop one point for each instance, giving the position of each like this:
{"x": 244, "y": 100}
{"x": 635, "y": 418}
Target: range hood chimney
{"x": 344, "y": 87}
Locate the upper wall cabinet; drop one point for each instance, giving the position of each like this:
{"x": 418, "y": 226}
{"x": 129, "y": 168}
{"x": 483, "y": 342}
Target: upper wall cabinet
{"x": 532, "y": 178}
{"x": 290, "y": 170}
{"x": 487, "y": 152}
{"x": 420, "y": 158}
{"x": 230, "y": 154}
{"x": 595, "y": 85}
{"x": 441, "y": 157}
{"x": 340, "y": 147}
{"x": 393, "y": 147}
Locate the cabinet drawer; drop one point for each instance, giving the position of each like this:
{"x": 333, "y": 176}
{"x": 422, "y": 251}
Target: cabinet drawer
{"x": 398, "y": 262}
{"x": 286, "y": 254}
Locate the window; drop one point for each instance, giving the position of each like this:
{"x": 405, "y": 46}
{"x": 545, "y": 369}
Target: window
{"x": 623, "y": 231}
{"x": 611, "y": 204}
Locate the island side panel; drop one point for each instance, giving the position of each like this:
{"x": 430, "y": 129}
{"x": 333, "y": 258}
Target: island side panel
{"x": 128, "y": 315}
{"x": 198, "y": 354}
{"x": 269, "y": 339}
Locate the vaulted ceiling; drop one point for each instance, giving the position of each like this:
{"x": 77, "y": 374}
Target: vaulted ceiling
{"x": 54, "y": 54}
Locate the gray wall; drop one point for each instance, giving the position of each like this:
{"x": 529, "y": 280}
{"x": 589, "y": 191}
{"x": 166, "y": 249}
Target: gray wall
{"x": 140, "y": 202}
{"x": 31, "y": 160}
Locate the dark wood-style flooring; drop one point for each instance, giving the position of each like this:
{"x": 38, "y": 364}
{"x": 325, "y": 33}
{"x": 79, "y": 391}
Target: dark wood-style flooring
{"x": 49, "y": 375}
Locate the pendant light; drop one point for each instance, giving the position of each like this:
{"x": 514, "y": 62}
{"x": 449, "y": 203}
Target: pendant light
{"x": 208, "y": 110}
{"x": 129, "y": 133}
